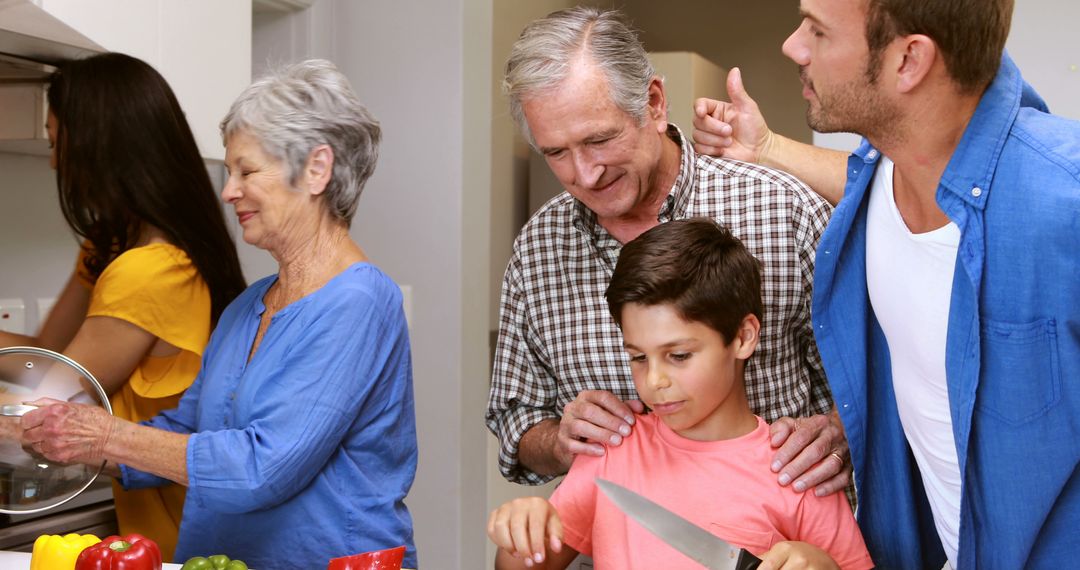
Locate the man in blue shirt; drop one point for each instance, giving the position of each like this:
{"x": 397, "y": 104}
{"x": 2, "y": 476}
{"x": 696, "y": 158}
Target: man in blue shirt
{"x": 947, "y": 292}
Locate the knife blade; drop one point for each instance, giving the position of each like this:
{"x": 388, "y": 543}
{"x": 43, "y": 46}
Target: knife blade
{"x": 699, "y": 544}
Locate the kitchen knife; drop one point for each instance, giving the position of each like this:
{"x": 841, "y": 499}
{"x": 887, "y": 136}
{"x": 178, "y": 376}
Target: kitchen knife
{"x": 15, "y": 410}
{"x": 699, "y": 544}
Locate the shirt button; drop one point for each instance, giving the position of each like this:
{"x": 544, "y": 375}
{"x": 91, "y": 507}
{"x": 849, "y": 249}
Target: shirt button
{"x": 976, "y": 191}
{"x": 871, "y": 154}
{"x": 846, "y": 405}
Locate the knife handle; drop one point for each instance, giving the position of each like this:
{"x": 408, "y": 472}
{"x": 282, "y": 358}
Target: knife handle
{"x": 747, "y": 561}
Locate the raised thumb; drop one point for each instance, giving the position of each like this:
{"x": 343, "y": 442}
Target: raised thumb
{"x": 736, "y": 92}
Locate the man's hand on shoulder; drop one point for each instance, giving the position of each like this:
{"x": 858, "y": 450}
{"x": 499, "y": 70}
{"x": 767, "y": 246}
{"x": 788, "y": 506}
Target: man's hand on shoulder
{"x": 594, "y": 419}
{"x": 813, "y": 453}
{"x": 735, "y": 130}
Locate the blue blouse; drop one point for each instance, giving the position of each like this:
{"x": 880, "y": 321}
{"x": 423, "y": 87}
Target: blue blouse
{"x": 306, "y": 452}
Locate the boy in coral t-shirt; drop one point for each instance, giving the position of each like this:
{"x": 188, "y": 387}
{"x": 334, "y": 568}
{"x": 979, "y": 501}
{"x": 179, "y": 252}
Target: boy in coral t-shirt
{"x": 687, "y": 296}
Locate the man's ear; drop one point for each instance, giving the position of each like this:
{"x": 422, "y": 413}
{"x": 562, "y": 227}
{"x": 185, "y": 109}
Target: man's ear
{"x": 746, "y": 337}
{"x": 318, "y": 170}
{"x": 916, "y": 57}
{"x": 658, "y": 104}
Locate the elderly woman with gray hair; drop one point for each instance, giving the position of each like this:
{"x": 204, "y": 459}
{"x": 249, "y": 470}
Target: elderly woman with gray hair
{"x": 297, "y": 441}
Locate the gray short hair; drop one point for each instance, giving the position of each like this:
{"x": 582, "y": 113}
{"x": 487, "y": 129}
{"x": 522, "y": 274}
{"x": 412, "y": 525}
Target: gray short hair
{"x": 293, "y": 109}
{"x": 542, "y": 57}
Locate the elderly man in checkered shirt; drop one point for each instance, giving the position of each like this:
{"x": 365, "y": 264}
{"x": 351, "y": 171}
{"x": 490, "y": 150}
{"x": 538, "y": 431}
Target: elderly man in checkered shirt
{"x": 585, "y": 95}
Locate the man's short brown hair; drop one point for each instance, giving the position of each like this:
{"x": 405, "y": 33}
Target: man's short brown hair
{"x": 971, "y": 34}
{"x": 695, "y": 265}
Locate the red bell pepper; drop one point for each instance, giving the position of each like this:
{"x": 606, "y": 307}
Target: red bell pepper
{"x": 389, "y": 559}
{"x": 131, "y": 552}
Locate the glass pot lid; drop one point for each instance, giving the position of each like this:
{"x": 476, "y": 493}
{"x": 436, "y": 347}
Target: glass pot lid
{"x": 29, "y": 483}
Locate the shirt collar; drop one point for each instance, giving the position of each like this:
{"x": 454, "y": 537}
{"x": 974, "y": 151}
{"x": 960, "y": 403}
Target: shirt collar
{"x": 674, "y": 205}
{"x": 971, "y": 168}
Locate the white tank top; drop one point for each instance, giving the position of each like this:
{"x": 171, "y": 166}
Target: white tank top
{"x": 909, "y": 278}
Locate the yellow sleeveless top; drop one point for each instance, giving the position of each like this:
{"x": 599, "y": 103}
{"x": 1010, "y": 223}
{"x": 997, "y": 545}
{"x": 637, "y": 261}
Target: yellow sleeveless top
{"x": 158, "y": 289}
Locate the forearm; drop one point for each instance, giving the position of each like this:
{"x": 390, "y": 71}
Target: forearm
{"x": 66, "y": 316}
{"x": 824, "y": 170}
{"x": 162, "y": 453}
{"x": 12, "y": 339}
{"x": 537, "y": 450}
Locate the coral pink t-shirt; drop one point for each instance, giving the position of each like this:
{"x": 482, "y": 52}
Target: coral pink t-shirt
{"x": 725, "y": 487}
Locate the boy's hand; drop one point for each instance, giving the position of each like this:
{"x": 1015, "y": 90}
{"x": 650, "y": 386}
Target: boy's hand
{"x": 594, "y": 419}
{"x": 525, "y": 528}
{"x": 812, "y": 452}
{"x": 796, "y": 556}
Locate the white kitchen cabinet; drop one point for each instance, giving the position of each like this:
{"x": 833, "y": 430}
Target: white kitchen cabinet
{"x": 201, "y": 47}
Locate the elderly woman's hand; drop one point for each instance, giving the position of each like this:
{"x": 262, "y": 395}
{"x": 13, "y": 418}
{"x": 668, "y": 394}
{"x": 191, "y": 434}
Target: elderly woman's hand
{"x": 67, "y": 432}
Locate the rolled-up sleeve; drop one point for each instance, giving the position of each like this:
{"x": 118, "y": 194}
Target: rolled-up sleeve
{"x": 323, "y": 373}
{"x": 180, "y": 419}
{"x": 523, "y": 389}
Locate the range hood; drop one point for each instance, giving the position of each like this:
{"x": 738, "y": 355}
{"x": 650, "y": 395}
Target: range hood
{"x": 30, "y": 33}
{"x": 32, "y": 41}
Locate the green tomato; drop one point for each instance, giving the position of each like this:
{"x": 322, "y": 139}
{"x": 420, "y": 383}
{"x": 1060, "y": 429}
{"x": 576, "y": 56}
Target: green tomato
{"x": 198, "y": 563}
{"x": 236, "y": 565}
{"x": 219, "y": 561}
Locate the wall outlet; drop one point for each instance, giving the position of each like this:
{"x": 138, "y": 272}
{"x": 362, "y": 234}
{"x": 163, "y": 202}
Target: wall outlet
{"x": 13, "y": 316}
{"x": 44, "y": 306}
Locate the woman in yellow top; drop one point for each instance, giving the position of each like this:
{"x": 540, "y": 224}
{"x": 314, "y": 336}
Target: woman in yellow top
{"x": 157, "y": 265}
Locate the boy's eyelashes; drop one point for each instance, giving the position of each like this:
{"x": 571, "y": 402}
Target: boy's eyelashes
{"x": 674, "y": 356}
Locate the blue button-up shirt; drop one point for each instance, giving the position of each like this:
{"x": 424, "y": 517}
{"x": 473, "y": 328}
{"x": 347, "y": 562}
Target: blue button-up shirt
{"x": 1012, "y": 353}
{"x": 307, "y": 451}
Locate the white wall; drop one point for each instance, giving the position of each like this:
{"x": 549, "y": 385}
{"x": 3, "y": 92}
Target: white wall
{"x": 422, "y": 68}
{"x": 1045, "y": 45}
{"x": 37, "y": 250}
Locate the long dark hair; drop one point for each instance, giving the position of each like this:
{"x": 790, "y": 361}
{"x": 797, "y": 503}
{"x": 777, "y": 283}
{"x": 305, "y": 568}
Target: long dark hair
{"x": 126, "y": 157}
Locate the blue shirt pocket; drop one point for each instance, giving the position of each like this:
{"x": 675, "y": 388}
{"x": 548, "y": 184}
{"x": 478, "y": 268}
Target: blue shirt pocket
{"x": 1020, "y": 378}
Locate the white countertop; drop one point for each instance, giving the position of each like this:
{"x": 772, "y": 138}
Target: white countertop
{"x": 21, "y": 561}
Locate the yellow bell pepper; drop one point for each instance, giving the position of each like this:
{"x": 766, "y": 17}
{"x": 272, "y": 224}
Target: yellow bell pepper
{"x": 55, "y": 552}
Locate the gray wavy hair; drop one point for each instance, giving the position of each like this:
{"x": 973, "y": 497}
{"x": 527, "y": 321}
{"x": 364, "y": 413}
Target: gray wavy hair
{"x": 542, "y": 57}
{"x": 293, "y": 109}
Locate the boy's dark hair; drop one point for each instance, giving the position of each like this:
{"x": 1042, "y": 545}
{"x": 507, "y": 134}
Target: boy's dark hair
{"x": 695, "y": 265}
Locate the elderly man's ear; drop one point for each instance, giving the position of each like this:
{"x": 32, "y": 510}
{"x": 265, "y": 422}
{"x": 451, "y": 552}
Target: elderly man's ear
{"x": 658, "y": 104}
{"x": 318, "y": 170}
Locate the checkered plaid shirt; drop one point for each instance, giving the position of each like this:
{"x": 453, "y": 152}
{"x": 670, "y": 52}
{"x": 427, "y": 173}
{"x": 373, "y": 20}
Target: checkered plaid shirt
{"x": 556, "y": 337}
